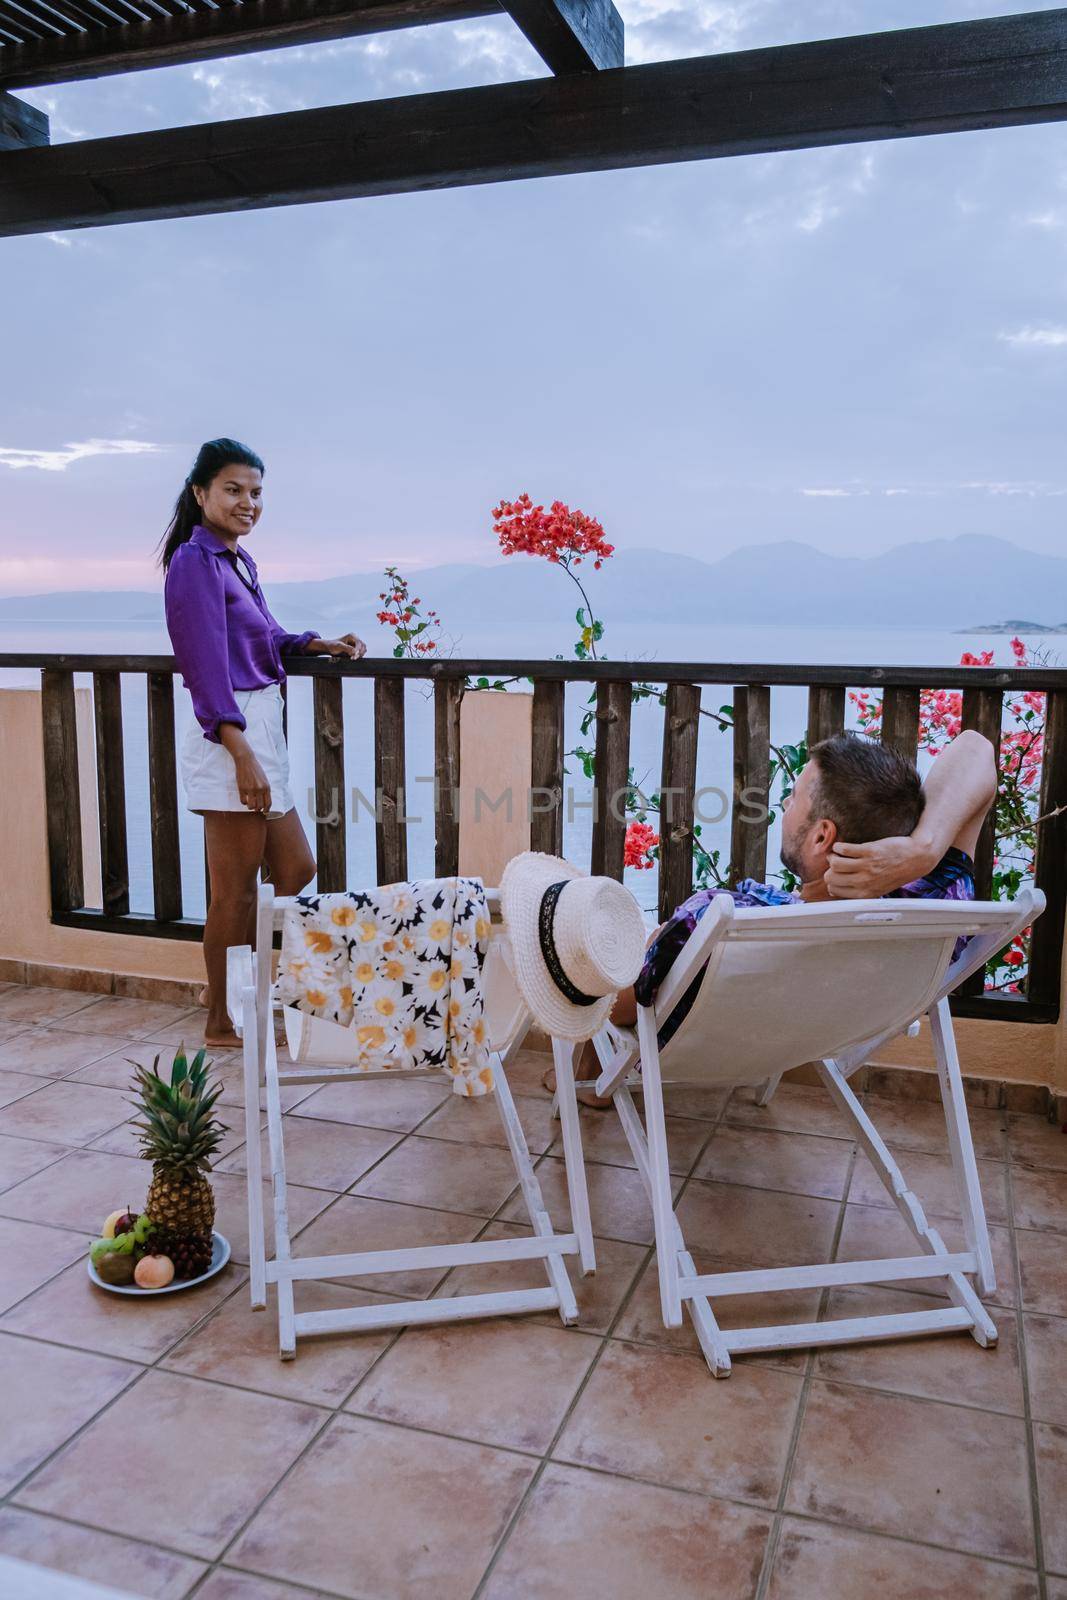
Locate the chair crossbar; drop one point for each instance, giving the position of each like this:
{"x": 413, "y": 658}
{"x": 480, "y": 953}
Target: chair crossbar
{"x": 845, "y": 1330}
{"x": 412, "y": 1313}
{"x": 833, "y": 1273}
{"x": 423, "y": 1258}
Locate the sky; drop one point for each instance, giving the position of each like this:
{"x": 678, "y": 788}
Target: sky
{"x": 857, "y": 347}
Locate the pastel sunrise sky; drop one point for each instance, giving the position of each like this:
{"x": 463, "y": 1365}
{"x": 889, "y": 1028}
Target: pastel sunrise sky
{"x": 854, "y": 347}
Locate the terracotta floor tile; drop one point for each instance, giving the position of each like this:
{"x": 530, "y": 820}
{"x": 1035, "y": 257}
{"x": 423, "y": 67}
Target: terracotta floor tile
{"x": 659, "y": 1416}
{"x": 48, "y": 1395}
{"x": 400, "y": 1106}
{"x": 869, "y": 1233}
{"x": 507, "y": 1382}
{"x": 927, "y": 1479}
{"x": 1036, "y": 1142}
{"x": 794, "y": 1108}
{"x": 31, "y": 1255}
{"x": 1040, "y": 1200}
{"x": 187, "y": 1029}
{"x": 355, "y": 1223}
{"x": 240, "y": 1346}
{"x": 1050, "y": 1448}
{"x": 799, "y": 1163}
{"x": 114, "y": 1070}
{"x": 599, "y": 1296}
{"x": 21, "y": 1158}
{"x": 125, "y": 1139}
{"x": 582, "y": 1536}
{"x": 97, "y": 1557}
{"x": 71, "y": 1113}
{"x": 447, "y": 1176}
{"x": 50, "y": 1053}
{"x": 947, "y": 1366}
{"x": 41, "y": 1005}
{"x": 931, "y": 1178}
{"x": 694, "y": 1100}
{"x": 79, "y": 1191}
{"x": 814, "y": 1559}
{"x": 618, "y": 1204}
{"x": 199, "y": 1454}
{"x": 343, "y": 1519}
{"x": 15, "y": 1085}
{"x": 110, "y": 1014}
{"x": 231, "y": 1211}
{"x": 1043, "y": 1267}
{"x": 321, "y": 1155}
{"x": 603, "y": 1140}
{"x": 920, "y": 1125}
{"x": 643, "y": 1319}
{"x": 742, "y": 1228}
{"x": 526, "y": 1072}
{"x": 1046, "y": 1361}
{"x": 1056, "y": 1589}
{"x": 478, "y": 1122}
{"x": 223, "y": 1584}
{"x": 71, "y": 1310}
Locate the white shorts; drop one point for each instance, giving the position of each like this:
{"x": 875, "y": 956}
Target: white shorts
{"x": 209, "y": 775}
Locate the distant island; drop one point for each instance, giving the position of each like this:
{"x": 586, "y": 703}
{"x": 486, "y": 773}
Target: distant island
{"x": 1015, "y": 625}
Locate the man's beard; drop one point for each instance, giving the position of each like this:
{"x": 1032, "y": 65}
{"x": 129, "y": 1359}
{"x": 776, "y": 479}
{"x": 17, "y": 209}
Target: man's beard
{"x": 791, "y": 861}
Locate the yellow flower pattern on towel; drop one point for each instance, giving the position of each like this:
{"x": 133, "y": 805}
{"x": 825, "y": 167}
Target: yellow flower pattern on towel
{"x": 402, "y": 964}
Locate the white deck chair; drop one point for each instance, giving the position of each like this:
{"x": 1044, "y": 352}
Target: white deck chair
{"x": 251, "y": 1006}
{"x": 831, "y": 984}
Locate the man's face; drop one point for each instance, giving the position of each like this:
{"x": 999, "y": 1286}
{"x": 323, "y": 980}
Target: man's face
{"x": 806, "y": 839}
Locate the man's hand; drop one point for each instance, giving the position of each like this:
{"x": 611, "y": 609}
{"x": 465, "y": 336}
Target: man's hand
{"x": 347, "y": 645}
{"x": 866, "y": 871}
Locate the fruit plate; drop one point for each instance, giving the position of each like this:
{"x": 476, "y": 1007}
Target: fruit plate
{"x": 220, "y": 1254}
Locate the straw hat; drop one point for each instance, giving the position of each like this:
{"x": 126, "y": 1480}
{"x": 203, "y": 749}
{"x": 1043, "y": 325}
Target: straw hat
{"x": 575, "y": 941}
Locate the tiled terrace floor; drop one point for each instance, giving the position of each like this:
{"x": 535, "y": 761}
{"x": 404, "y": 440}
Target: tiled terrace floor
{"x": 162, "y": 1447}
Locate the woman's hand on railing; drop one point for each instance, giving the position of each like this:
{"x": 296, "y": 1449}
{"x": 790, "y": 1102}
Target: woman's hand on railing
{"x": 349, "y": 644}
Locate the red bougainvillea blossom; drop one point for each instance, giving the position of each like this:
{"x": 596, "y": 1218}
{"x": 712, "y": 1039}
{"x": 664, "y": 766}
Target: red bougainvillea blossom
{"x": 559, "y": 533}
{"x": 640, "y": 841}
{"x": 416, "y": 635}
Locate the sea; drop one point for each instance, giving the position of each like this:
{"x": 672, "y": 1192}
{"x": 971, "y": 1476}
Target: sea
{"x": 802, "y": 645}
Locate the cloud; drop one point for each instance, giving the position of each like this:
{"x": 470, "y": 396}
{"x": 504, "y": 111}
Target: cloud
{"x": 1035, "y": 338}
{"x": 827, "y": 494}
{"x": 994, "y": 488}
{"x": 60, "y": 460}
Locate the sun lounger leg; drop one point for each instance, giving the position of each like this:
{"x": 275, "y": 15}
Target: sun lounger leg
{"x": 563, "y": 1053}
{"x": 961, "y": 1145}
{"x": 766, "y": 1090}
{"x": 659, "y": 1169}
{"x": 256, "y": 1247}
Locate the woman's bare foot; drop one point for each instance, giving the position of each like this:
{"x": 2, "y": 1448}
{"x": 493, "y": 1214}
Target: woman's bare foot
{"x": 219, "y": 1033}
{"x": 204, "y": 997}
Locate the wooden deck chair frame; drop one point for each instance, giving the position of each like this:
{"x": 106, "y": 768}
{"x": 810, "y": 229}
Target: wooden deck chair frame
{"x": 632, "y": 1059}
{"x": 251, "y": 1006}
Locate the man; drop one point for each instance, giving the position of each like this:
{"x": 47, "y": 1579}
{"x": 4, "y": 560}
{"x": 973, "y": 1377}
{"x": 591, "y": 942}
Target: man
{"x": 859, "y": 824}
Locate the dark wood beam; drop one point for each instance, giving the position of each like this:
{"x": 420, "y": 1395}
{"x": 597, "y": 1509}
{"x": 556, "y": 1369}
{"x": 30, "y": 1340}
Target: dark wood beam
{"x": 1000, "y": 72}
{"x": 22, "y": 127}
{"x": 231, "y": 30}
{"x": 571, "y": 35}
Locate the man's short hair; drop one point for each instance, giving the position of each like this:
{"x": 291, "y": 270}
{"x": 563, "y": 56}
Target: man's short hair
{"x": 868, "y": 789}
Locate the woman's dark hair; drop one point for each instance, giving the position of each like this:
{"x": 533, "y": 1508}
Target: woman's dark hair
{"x": 211, "y": 458}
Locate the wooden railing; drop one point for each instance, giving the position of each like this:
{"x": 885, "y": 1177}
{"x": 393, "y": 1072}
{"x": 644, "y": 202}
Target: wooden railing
{"x": 751, "y": 685}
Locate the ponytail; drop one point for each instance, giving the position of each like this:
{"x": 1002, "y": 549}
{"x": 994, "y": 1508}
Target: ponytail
{"x": 211, "y": 458}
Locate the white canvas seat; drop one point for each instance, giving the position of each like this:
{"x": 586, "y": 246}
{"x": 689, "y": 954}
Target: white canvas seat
{"x": 827, "y": 983}
{"x": 252, "y": 1007}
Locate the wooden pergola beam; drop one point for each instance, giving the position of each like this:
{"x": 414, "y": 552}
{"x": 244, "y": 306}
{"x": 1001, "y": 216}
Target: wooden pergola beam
{"x": 997, "y": 72}
{"x": 22, "y": 127}
{"x": 571, "y": 35}
{"x": 229, "y": 31}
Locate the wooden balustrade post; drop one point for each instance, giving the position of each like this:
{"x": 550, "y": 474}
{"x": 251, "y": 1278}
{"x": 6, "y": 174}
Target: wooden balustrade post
{"x": 613, "y": 704}
{"x": 826, "y": 711}
{"x": 750, "y": 816}
{"x": 546, "y": 768}
{"x": 983, "y": 710}
{"x": 111, "y": 793}
{"x": 681, "y": 727}
{"x": 390, "y": 828}
{"x": 447, "y": 699}
{"x": 163, "y": 798}
{"x": 330, "y": 835}
{"x": 1050, "y": 866}
{"x": 62, "y": 790}
{"x": 900, "y": 721}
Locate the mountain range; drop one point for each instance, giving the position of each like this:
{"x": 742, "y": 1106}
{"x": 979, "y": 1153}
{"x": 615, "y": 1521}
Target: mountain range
{"x": 943, "y": 583}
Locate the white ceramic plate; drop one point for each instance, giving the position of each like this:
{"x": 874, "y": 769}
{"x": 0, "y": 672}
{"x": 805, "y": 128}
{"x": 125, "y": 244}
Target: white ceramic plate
{"x": 220, "y": 1254}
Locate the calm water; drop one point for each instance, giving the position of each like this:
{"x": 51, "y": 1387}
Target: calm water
{"x": 805, "y": 646}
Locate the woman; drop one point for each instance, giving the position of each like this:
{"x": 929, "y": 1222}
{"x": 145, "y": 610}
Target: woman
{"x": 229, "y": 650}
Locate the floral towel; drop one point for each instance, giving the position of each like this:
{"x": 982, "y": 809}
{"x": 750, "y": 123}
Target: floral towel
{"x": 402, "y": 965}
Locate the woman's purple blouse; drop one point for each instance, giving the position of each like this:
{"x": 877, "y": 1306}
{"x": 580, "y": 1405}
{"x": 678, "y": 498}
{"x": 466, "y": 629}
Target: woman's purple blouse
{"x": 223, "y": 636}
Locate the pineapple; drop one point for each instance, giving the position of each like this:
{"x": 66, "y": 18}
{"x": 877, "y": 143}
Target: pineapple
{"x": 179, "y": 1135}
